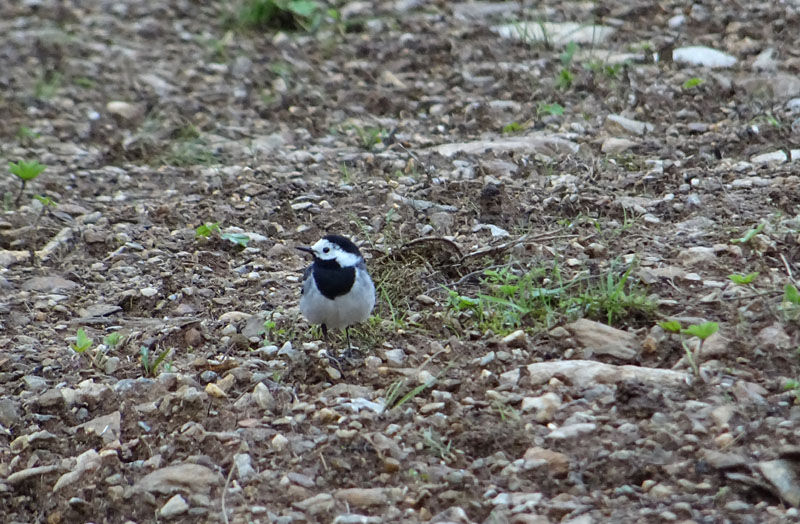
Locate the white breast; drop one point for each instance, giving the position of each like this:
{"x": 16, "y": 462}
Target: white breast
{"x": 343, "y": 311}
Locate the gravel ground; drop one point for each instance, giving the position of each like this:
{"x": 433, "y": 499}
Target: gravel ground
{"x": 542, "y": 203}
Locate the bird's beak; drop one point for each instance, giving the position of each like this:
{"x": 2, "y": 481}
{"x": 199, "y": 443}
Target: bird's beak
{"x": 306, "y": 250}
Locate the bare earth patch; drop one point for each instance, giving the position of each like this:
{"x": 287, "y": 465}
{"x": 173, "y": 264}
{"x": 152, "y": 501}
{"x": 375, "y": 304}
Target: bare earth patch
{"x": 546, "y": 193}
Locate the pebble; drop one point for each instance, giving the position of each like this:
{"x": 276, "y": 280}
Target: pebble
{"x": 395, "y": 357}
{"x": 193, "y": 478}
{"x": 615, "y": 146}
{"x": 627, "y": 125}
{"x": 703, "y": 56}
{"x": 174, "y": 507}
{"x": 9, "y": 409}
{"x": 279, "y": 442}
{"x": 510, "y": 378}
{"x": 516, "y": 339}
{"x": 35, "y": 383}
{"x": 364, "y": 497}
{"x": 263, "y": 397}
{"x": 321, "y": 503}
{"x": 572, "y": 431}
{"x": 545, "y": 406}
{"x": 244, "y": 466}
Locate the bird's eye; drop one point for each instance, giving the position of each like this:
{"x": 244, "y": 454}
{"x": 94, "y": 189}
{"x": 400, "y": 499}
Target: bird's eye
{"x": 326, "y": 249}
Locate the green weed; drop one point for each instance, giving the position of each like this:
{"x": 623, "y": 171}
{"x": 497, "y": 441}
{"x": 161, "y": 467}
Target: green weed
{"x": 188, "y": 149}
{"x": 565, "y": 79}
{"x": 549, "y": 109}
{"x": 437, "y": 444}
{"x": 369, "y": 137}
{"x": 112, "y": 340}
{"x": 206, "y": 230}
{"x": 701, "y": 331}
{"x": 150, "y": 366}
{"x": 749, "y": 235}
{"x": 794, "y": 386}
{"x": 512, "y": 127}
{"x": 568, "y": 54}
{"x": 26, "y": 135}
{"x": 790, "y": 305}
{"x": 82, "y": 342}
{"x": 539, "y": 298}
{"x": 743, "y": 279}
{"x": 25, "y": 172}
{"x": 693, "y": 82}
{"x": 289, "y": 15}
{"x": 47, "y": 85}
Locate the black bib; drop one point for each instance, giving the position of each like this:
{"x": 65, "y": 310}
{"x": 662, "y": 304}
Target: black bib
{"x": 332, "y": 279}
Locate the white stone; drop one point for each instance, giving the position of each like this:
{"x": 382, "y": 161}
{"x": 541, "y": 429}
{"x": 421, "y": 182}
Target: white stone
{"x": 174, "y": 507}
{"x": 572, "y": 431}
{"x": 555, "y": 33}
{"x": 703, "y": 56}
{"x": 634, "y": 127}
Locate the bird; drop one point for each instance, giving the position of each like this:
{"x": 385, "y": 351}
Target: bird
{"x": 337, "y": 290}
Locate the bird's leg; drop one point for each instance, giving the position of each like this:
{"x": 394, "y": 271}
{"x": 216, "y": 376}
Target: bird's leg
{"x": 331, "y": 356}
{"x": 350, "y": 352}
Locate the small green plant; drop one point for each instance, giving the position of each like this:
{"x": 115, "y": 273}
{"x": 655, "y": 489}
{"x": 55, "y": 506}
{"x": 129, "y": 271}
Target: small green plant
{"x": 692, "y": 83}
{"x": 27, "y": 135}
{"x": 206, "y": 230}
{"x": 539, "y": 298}
{"x": 112, "y": 340}
{"x": 791, "y": 295}
{"x": 188, "y": 149}
{"x": 794, "y": 386}
{"x": 150, "y": 366}
{"x": 565, "y": 79}
{"x": 506, "y": 412}
{"x": 370, "y": 136}
{"x": 748, "y": 236}
{"x": 82, "y": 342}
{"x": 47, "y": 204}
{"x": 46, "y": 201}
{"x": 790, "y": 304}
{"x": 396, "y": 388}
{"x": 346, "y": 176}
{"x": 47, "y": 85}
{"x": 512, "y": 127}
{"x": 549, "y": 109}
{"x": 568, "y": 54}
{"x": 701, "y": 331}
{"x": 280, "y": 14}
{"x": 436, "y": 443}
{"x": 213, "y": 228}
{"x": 612, "y": 70}
{"x": 25, "y": 171}
{"x": 743, "y": 279}
{"x": 84, "y": 82}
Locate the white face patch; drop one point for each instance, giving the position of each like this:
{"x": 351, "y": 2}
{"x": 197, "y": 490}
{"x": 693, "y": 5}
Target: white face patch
{"x": 327, "y": 250}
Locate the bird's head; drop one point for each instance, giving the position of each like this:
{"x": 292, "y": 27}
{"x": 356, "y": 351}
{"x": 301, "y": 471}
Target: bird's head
{"x": 335, "y": 247}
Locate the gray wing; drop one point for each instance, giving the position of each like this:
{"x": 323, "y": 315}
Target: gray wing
{"x": 306, "y": 278}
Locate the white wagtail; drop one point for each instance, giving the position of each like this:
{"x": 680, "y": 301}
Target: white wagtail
{"x": 337, "y": 290}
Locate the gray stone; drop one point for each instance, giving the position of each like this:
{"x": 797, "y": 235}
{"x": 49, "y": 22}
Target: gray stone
{"x": 604, "y": 340}
{"x": 9, "y": 412}
{"x": 174, "y": 507}
{"x": 187, "y": 478}
{"x": 703, "y": 56}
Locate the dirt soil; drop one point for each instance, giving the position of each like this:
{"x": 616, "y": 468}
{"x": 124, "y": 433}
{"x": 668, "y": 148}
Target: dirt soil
{"x": 155, "y": 370}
